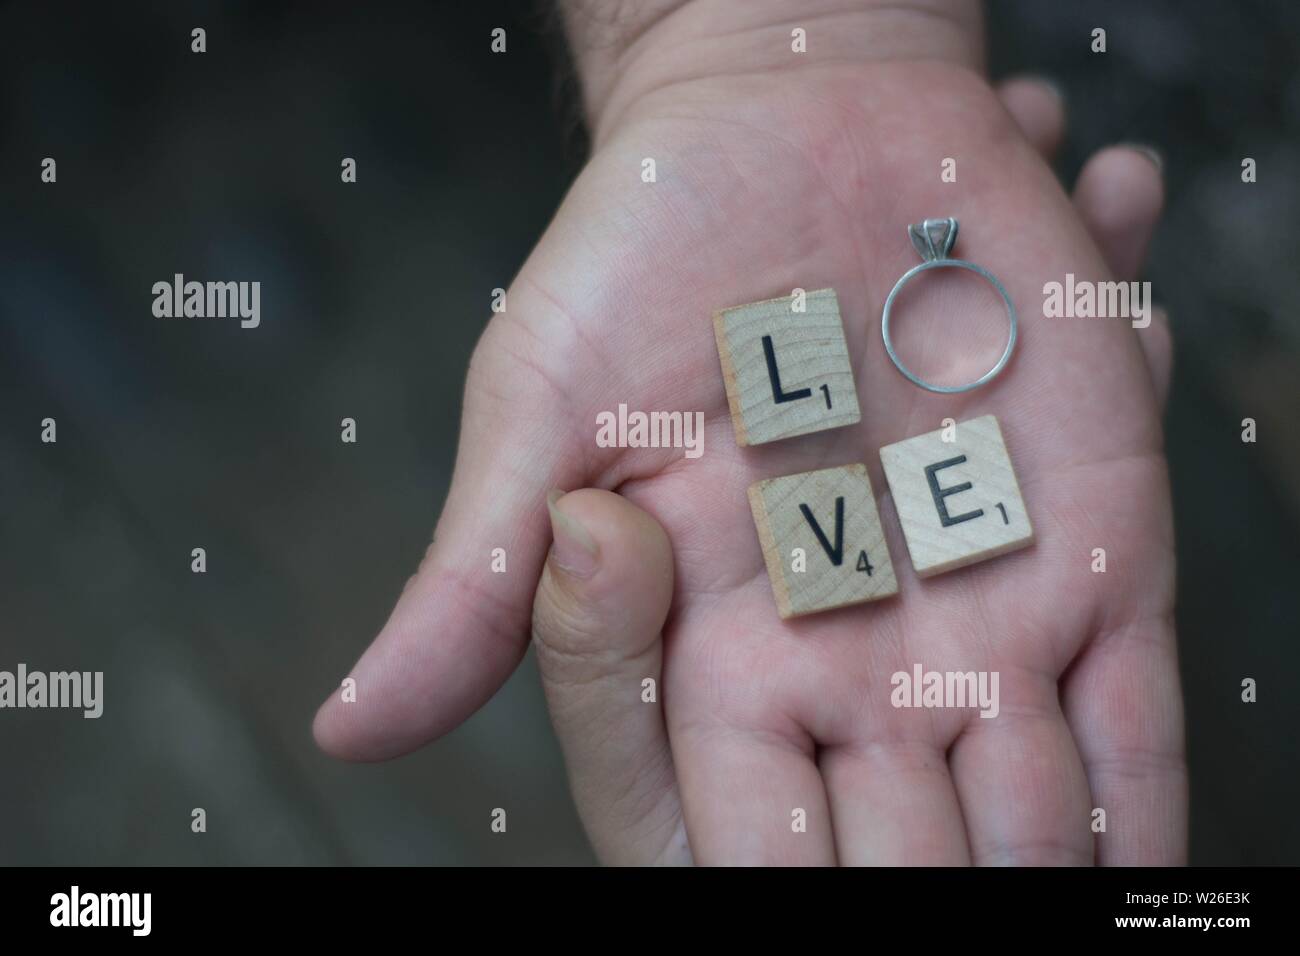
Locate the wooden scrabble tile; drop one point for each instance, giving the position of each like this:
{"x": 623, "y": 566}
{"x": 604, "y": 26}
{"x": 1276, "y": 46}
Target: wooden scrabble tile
{"x": 831, "y": 516}
{"x": 787, "y": 373}
{"x": 958, "y": 501}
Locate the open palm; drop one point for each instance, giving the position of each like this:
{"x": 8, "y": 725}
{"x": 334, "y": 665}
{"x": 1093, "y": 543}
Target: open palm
{"x": 764, "y": 183}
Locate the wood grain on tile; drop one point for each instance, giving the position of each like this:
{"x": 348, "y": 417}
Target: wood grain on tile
{"x": 958, "y": 501}
{"x": 822, "y": 541}
{"x": 787, "y": 373}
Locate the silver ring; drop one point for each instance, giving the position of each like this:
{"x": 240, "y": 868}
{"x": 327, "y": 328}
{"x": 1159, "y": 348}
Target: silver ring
{"x": 933, "y": 239}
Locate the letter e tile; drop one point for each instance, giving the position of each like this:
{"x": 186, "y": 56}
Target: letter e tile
{"x": 958, "y": 501}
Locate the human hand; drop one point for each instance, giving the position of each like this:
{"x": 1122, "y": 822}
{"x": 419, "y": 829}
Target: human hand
{"x": 778, "y": 170}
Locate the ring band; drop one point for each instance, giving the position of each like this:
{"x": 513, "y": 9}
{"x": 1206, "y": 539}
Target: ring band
{"x": 933, "y": 239}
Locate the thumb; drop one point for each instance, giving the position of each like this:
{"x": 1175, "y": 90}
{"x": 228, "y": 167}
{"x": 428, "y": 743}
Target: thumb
{"x": 461, "y": 625}
{"x": 597, "y": 620}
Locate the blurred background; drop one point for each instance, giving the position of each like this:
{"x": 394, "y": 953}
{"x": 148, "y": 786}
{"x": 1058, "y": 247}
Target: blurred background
{"x": 176, "y": 435}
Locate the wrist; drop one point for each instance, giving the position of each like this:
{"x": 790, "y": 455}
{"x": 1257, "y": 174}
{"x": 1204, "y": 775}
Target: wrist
{"x": 626, "y": 51}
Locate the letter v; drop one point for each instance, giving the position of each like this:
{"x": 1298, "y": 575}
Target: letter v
{"x": 836, "y": 554}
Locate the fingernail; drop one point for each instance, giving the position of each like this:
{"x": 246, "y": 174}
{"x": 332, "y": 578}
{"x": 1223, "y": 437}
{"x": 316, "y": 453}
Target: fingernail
{"x": 1151, "y": 153}
{"x": 1052, "y": 86}
{"x": 575, "y": 551}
